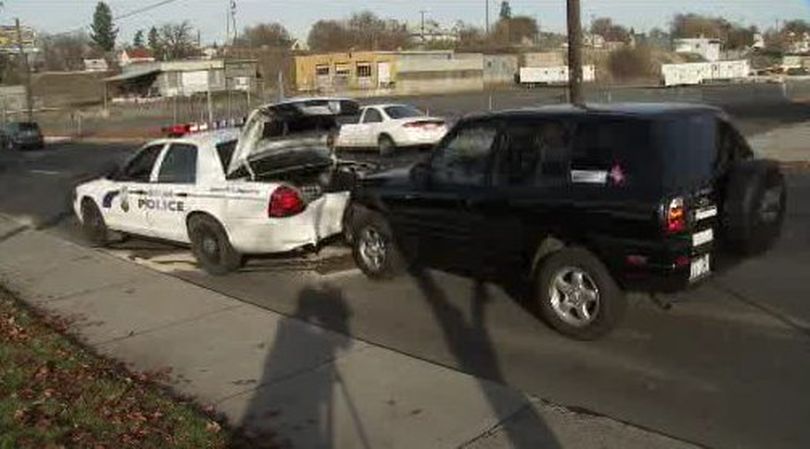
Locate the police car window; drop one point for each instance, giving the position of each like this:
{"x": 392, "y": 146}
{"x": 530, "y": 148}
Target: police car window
{"x": 535, "y": 153}
{"x": 179, "y": 166}
{"x": 140, "y": 167}
{"x": 464, "y": 158}
{"x": 372, "y": 116}
{"x": 225, "y": 152}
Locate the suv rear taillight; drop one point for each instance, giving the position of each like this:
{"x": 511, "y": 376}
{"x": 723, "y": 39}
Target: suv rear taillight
{"x": 285, "y": 202}
{"x": 675, "y": 216}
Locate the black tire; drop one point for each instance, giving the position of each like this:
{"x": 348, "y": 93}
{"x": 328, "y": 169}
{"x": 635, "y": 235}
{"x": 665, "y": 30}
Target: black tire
{"x": 372, "y": 239}
{"x": 386, "y": 145}
{"x": 349, "y": 215}
{"x": 94, "y": 228}
{"x": 603, "y": 314}
{"x": 212, "y": 247}
{"x": 754, "y": 206}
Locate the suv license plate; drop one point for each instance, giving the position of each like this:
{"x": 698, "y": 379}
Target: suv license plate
{"x": 701, "y": 267}
{"x": 703, "y": 237}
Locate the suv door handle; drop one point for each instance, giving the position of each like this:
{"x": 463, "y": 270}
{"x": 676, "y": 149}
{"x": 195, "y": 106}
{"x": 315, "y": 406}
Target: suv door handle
{"x": 138, "y": 192}
{"x": 181, "y": 194}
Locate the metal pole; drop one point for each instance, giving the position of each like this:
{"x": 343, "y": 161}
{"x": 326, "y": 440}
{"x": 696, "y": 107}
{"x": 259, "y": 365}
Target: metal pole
{"x": 210, "y": 105}
{"x": 575, "y": 53}
{"x": 422, "y": 13}
{"x": 28, "y": 97}
{"x": 487, "y": 16}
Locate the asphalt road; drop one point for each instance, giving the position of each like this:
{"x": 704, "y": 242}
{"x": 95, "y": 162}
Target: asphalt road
{"x": 728, "y": 368}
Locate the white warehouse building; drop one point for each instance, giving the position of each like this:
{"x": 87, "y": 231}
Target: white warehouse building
{"x": 708, "y": 48}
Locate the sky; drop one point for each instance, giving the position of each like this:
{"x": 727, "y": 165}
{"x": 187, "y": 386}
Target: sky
{"x": 209, "y": 16}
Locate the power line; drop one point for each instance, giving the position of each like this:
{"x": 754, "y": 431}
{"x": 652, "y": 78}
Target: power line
{"x": 142, "y": 10}
{"x": 119, "y": 17}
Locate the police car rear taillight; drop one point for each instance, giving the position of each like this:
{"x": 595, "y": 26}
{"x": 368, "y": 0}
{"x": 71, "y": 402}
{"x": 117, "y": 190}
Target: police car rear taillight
{"x": 285, "y": 202}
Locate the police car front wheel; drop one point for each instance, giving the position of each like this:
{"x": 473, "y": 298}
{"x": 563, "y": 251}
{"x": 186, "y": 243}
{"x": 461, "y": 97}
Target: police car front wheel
{"x": 211, "y": 246}
{"x": 93, "y": 226}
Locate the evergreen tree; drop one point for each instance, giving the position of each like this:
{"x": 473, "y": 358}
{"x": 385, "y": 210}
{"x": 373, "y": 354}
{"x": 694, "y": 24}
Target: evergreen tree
{"x": 506, "y": 11}
{"x": 153, "y": 40}
{"x": 137, "y": 41}
{"x": 103, "y": 31}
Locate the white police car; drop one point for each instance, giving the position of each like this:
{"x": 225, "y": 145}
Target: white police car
{"x": 273, "y": 187}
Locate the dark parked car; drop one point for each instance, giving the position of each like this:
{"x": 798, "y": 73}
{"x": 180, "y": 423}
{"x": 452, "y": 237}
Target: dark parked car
{"x": 586, "y": 203}
{"x": 21, "y": 136}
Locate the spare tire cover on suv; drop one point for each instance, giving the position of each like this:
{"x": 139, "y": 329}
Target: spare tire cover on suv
{"x": 754, "y": 205}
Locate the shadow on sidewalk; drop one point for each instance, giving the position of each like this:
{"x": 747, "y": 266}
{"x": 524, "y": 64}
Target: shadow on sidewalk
{"x": 308, "y": 395}
{"x": 471, "y": 345}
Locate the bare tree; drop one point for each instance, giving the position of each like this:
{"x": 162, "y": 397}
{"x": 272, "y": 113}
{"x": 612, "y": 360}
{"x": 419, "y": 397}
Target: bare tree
{"x": 605, "y": 27}
{"x": 272, "y": 35}
{"x": 65, "y": 52}
{"x": 694, "y": 25}
{"x": 329, "y": 35}
{"x": 362, "y": 31}
{"x": 516, "y": 30}
{"x": 177, "y": 40}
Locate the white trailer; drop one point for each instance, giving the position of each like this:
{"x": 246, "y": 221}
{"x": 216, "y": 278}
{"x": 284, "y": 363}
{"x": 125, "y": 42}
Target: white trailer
{"x": 533, "y": 76}
{"x": 695, "y": 73}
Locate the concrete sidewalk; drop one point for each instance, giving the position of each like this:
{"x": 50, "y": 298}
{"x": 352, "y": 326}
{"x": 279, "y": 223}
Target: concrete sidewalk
{"x": 286, "y": 378}
{"x": 788, "y": 144}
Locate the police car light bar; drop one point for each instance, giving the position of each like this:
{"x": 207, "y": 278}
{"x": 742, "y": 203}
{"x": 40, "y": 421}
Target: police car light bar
{"x": 184, "y": 129}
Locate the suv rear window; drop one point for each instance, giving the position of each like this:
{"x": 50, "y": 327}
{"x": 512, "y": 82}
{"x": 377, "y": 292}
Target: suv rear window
{"x": 687, "y": 149}
{"x": 24, "y": 126}
{"x": 604, "y": 144}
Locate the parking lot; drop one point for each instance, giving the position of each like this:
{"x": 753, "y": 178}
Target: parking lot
{"x": 727, "y": 367}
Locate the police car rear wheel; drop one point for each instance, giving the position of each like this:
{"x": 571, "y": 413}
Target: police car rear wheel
{"x": 211, "y": 246}
{"x": 93, "y": 226}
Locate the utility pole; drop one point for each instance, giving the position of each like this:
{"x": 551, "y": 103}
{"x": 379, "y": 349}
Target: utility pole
{"x": 487, "y": 16}
{"x": 28, "y": 96}
{"x": 227, "y": 23}
{"x": 422, "y": 13}
{"x": 575, "y": 53}
{"x": 233, "y": 19}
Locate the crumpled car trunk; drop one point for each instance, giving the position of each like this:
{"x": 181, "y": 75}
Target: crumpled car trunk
{"x": 295, "y": 125}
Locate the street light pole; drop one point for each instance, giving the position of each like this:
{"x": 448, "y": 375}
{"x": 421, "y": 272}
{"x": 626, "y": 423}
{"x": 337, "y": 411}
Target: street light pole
{"x": 28, "y": 96}
{"x": 575, "y": 53}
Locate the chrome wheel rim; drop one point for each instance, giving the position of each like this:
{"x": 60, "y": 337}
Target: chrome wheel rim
{"x": 373, "y": 248}
{"x": 574, "y": 296}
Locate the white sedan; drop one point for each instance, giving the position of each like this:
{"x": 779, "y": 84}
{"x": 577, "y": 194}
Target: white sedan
{"x": 387, "y": 127}
{"x": 274, "y": 187}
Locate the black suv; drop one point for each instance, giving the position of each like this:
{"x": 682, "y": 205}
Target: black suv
{"x": 21, "y": 136}
{"x": 585, "y": 202}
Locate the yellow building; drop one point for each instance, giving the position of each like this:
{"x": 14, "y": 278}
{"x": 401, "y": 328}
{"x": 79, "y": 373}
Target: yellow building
{"x": 362, "y": 70}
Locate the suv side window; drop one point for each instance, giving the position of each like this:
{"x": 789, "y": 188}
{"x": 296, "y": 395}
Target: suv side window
{"x": 534, "y": 153}
{"x": 731, "y": 146}
{"x": 463, "y": 159}
{"x": 140, "y": 167}
{"x": 372, "y": 116}
{"x": 179, "y": 165}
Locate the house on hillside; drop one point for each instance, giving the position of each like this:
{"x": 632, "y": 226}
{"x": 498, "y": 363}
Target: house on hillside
{"x": 708, "y": 48}
{"x": 135, "y": 56}
{"x": 432, "y": 33}
{"x": 96, "y": 65}
{"x": 799, "y": 44}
